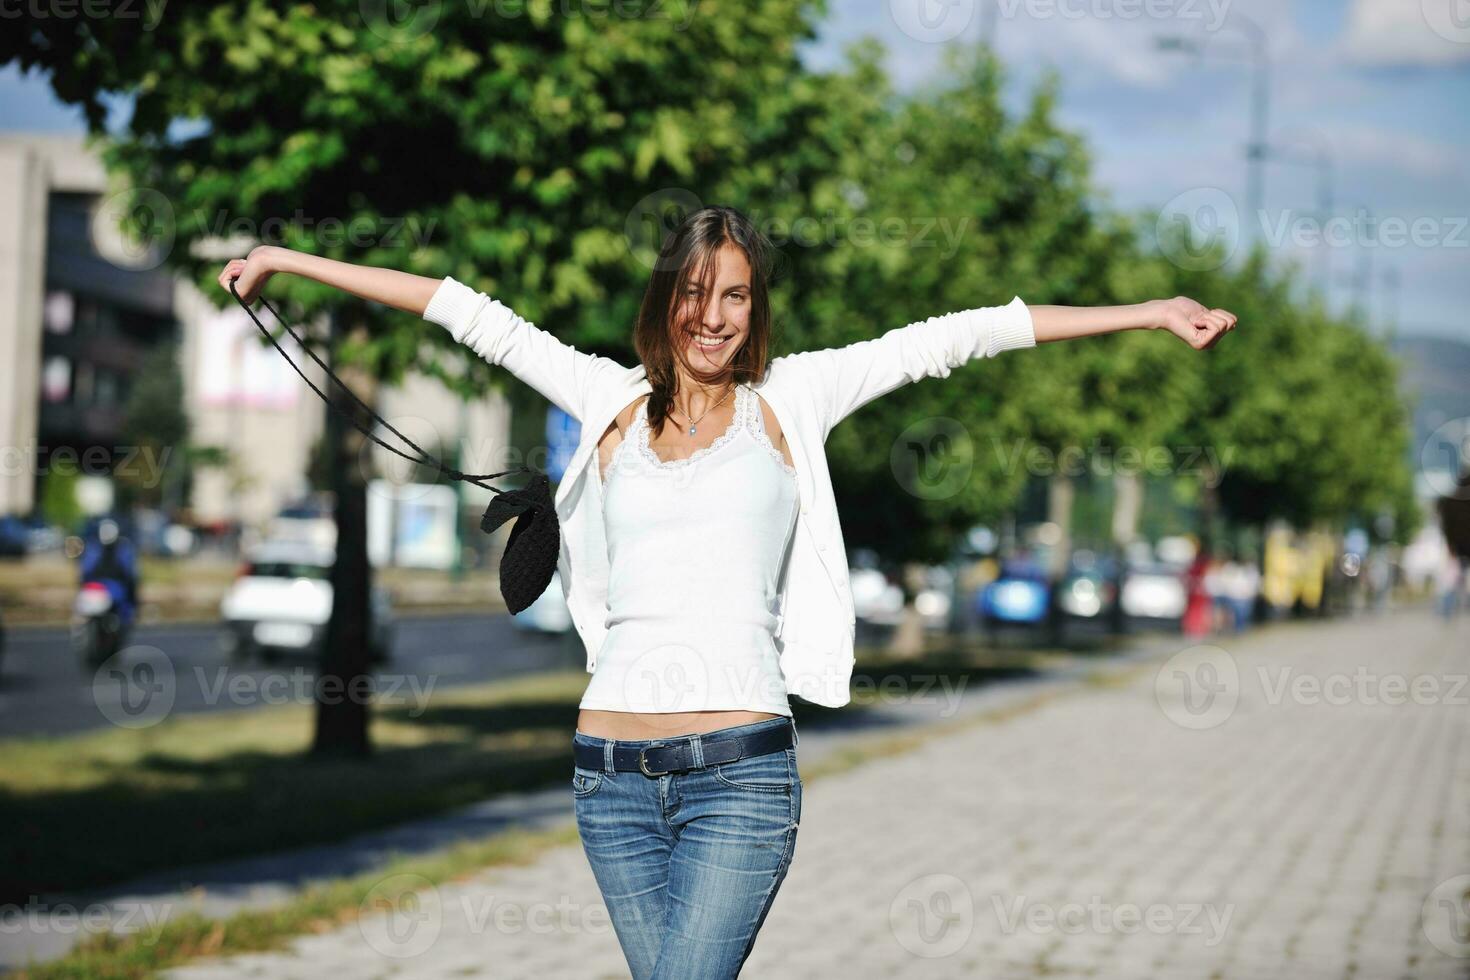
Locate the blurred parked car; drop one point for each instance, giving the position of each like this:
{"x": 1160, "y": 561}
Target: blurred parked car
{"x": 44, "y": 537}
{"x": 1020, "y": 595}
{"x": 1087, "y": 594}
{"x": 309, "y": 521}
{"x": 1089, "y": 588}
{"x": 157, "y": 535}
{"x": 875, "y": 598}
{"x": 14, "y": 537}
{"x": 282, "y": 599}
{"x": 27, "y": 536}
{"x": 1154, "y": 595}
{"x": 549, "y": 613}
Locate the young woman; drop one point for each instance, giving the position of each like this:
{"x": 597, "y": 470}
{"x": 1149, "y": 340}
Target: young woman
{"x": 702, "y": 558}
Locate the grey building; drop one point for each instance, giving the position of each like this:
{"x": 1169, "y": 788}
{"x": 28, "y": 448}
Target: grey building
{"x": 79, "y": 309}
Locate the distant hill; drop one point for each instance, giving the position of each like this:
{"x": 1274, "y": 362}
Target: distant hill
{"x": 1436, "y": 380}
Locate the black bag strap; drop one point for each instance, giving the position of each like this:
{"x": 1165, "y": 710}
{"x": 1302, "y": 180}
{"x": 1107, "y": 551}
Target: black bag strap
{"x": 425, "y": 459}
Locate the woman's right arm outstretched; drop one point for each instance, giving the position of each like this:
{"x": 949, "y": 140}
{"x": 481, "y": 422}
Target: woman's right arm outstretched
{"x": 568, "y": 378}
{"x": 400, "y": 290}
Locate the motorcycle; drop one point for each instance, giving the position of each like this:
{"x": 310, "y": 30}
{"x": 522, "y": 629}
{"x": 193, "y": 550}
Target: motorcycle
{"x": 99, "y": 621}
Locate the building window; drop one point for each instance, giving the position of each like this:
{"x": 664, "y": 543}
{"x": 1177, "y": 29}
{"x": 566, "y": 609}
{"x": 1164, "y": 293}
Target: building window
{"x": 60, "y": 311}
{"x": 56, "y": 379}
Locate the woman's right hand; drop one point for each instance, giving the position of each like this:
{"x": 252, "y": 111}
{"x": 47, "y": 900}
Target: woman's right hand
{"x": 250, "y": 274}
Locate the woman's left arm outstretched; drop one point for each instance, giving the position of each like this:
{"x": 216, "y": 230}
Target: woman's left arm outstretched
{"x": 1191, "y": 322}
{"x": 844, "y": 379}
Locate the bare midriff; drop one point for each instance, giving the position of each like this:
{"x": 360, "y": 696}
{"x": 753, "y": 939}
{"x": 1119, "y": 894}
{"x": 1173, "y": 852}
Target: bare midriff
{"x": 644, "y": 725}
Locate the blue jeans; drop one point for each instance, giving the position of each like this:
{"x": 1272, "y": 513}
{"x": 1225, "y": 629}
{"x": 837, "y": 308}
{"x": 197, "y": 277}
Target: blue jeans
{"x": 688, "y": 863}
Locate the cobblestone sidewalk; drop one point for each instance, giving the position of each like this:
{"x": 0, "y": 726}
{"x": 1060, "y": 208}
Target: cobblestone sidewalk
{"x": 1293, "y": 803}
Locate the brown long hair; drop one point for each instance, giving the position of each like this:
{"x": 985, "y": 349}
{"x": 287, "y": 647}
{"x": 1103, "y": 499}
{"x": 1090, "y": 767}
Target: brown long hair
{"x": 689, "y": 255}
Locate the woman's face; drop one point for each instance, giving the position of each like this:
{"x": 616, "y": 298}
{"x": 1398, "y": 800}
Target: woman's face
{"x": 711, "y": 343}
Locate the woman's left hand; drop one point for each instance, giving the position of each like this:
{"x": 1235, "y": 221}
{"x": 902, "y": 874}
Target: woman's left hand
{"x": 1192, "y": 323}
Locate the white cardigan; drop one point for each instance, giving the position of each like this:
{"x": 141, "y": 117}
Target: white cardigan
{"x": 809, "y": 392}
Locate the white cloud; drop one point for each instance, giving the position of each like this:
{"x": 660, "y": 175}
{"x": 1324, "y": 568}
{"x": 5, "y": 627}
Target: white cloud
{"x": 1407, "y": 32}
{"x": 1407, "y": 153}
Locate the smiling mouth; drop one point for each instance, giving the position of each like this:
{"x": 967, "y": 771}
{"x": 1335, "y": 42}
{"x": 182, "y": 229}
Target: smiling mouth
{"x": 707, "y": 343}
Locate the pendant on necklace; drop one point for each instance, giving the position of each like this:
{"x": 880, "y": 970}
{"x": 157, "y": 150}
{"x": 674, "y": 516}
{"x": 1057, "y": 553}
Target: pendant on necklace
{"x": 691, "y": 430}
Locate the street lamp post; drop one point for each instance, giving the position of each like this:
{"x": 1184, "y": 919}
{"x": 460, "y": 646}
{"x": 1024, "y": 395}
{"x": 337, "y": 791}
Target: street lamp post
{"x": 1256, "y": 149}
{"x": 1321, "y": 159}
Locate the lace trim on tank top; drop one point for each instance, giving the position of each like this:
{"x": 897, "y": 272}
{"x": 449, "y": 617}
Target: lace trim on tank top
{"x": 747, "y": 416}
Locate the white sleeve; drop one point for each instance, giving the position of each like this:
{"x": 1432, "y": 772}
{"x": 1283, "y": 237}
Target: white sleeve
{"x": 847, "y": 378}
{"x": 565, "y": 376}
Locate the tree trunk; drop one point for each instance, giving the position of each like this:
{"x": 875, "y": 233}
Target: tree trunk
{"x": 342, "y": 691}
{"x": 1127, "y": 505}
{"x": 908, "y": 637}
{"x": 1209, "y": 506}
{"x": 1061, "y": 492}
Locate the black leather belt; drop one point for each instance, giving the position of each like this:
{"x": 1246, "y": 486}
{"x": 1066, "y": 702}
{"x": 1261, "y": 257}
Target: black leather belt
{"x": 677, "y": 754}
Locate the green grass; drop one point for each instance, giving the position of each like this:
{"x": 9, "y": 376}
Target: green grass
{"x": 323, "y": 907}
{"x": 102, "y": 807}
{"x": 214, "y": 744}
{"x": 38, "y": 590}
{"x": 98, "y": 808}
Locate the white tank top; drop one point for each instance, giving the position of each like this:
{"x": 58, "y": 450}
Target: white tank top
{"x": 695, "y": 548}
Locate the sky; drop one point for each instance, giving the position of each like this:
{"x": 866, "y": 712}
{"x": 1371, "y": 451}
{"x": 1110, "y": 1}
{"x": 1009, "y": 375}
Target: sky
{"x": 1379, "y": 88}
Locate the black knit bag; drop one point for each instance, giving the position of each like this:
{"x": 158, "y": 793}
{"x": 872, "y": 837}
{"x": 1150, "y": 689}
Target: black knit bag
{"x": 531, "y": 552}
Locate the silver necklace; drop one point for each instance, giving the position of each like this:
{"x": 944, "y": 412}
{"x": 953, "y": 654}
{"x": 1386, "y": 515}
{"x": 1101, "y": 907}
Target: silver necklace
{"x": 694, "y": 422}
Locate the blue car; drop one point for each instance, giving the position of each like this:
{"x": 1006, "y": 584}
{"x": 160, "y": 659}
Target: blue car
{"x": 1019, "y": 596}
{"x": 14, "y": 537}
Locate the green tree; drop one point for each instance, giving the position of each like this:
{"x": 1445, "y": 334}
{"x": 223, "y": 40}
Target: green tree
{"x": 158, "y": 426}
{"x": 509, "y": 145}
{"x": 59, "y": 504}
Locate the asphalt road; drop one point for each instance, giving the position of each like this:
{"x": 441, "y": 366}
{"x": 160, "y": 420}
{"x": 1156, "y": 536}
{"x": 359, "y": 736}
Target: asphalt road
{"x": 44, "y": 689}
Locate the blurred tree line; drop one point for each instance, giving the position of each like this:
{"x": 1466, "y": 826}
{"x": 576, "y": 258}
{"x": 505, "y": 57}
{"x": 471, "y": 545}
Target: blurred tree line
{"x": 537, "y": 153}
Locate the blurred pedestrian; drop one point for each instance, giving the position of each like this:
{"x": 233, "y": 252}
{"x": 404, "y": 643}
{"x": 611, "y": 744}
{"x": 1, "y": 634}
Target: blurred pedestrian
{"x": 1233, "y": 584}
{"x": 1450, "y": 582}
{"x": 1242, "y": 584}
{"x": 1200, "y": 608}
{"x": 1379, "y": 579}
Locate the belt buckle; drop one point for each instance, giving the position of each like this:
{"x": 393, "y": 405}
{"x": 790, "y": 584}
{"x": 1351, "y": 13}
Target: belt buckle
{"x": 643, "y": 762}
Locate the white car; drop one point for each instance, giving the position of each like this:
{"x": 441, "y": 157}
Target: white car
{"x": 1154, "y": 593}
{"x": 281, "y": 600}
{"x": 548, "y": 613}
